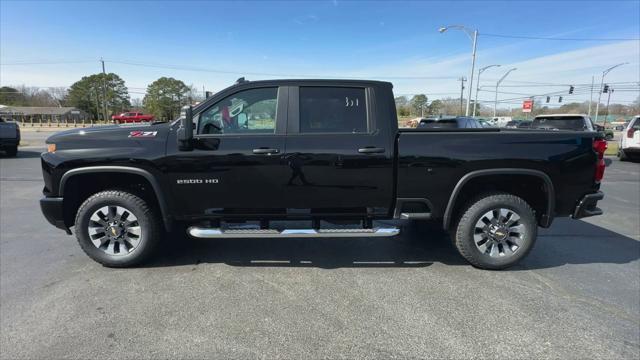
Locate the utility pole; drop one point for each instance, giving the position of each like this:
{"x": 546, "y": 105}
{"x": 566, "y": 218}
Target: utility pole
{"x": 462, "y": 80}
{"x": 591, "y": 98}
{"x": 104, "y": 91}
{"x": 608, "y": 99}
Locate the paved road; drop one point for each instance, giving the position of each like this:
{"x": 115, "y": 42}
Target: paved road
{"x": 576, "y": 296}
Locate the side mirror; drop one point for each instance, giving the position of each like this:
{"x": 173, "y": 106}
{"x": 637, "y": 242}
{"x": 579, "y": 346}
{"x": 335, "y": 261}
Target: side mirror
{"x": 185, "y": 131}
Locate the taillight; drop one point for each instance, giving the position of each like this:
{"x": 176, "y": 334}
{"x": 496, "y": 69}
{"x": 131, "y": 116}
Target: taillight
{"x": 600, "y": 146}
{"x": 630, "y": 133}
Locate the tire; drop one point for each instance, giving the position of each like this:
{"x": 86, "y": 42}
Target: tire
{"x": 502, "y": 245}
{"x": 12, "y": 151}
{"x": 111, "y": 237}
{"x": 622, "y": 156}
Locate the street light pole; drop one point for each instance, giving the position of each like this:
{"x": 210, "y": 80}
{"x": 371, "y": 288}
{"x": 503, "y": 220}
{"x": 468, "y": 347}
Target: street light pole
{"x": 462, "y": 80}
{"x": 473, "y": 65}
{"x": 604, "y": 73}
{"x": 591, "y": 97}
{"x": 473, "y": 35}
{"x": 495, "y": 104}
{"x": 475, "y": 103}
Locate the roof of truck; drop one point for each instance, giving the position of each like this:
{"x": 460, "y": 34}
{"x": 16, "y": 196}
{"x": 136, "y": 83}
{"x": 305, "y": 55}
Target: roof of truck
{"x": 582, "y": 115}
{"x": 319, "y": 81}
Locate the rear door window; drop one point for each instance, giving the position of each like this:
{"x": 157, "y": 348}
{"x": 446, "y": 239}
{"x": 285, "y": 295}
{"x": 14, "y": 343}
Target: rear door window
{"x": 333, "y": 110}
{"x": 442, "y": 124}
{"x": 560, "y": 123}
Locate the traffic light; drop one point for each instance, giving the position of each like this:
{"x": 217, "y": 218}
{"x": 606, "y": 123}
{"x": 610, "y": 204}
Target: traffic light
{"x": 571, "y": 89}
{"x": 207, "y": 94}
{"x": 548, "y": 98}
{"x": 606, "y": 89}
{"x": 560, "y": 99}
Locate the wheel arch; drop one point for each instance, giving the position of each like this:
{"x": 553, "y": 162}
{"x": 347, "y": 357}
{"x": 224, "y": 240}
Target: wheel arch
{"x": 69, "y": 176}
{"x": 546, "y": 217}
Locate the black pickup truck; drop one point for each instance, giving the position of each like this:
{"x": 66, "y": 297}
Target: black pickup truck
{"x": 321, "y": 152}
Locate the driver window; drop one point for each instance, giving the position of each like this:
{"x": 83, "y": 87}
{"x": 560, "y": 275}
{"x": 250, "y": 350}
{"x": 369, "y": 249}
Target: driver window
{"x": 246, "y": 112}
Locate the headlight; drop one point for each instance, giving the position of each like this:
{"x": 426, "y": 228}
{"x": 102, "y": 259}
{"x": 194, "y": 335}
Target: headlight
{"x": 51, "y": 148}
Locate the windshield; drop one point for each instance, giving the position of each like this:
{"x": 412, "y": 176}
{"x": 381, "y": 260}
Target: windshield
{"x": 559, "y": 123}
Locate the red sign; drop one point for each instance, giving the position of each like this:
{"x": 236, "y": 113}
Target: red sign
{"x": 527, "y": 106}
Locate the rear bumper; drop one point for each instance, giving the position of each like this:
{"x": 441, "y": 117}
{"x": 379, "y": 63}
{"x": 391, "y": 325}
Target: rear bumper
{"x": 52, "y": 210}
{"x": 9, "y": 142}
{"x": 587, "y": 206}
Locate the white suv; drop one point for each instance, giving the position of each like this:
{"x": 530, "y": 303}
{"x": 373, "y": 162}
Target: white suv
{"x": 630, "y": 140}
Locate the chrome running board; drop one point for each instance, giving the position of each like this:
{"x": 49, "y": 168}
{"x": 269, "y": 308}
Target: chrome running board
{"x": 209, "y": 233}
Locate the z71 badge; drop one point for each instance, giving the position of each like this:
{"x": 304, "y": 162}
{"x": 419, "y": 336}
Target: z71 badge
{"x": 139, "y": 134}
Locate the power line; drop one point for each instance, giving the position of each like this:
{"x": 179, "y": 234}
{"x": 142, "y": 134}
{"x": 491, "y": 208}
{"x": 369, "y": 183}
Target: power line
{"x": 557, "y": 38}
{"x": 48, "y": 62}
{"x": 235, "y": 72}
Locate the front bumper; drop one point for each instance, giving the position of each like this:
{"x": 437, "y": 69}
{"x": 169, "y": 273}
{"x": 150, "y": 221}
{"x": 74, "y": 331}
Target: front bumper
{"x": 52, "y": 210}
{"x": 587, "y": 206}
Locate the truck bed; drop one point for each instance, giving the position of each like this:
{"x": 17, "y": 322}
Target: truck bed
{"x": 432, "y": 162}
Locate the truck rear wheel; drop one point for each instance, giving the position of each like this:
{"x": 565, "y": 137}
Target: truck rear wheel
{"x": 117, "y": 228}
{"x": 496, "y": 231}
{"x": 621, "y": 155}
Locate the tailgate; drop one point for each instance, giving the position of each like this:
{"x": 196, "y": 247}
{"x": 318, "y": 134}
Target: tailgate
{"x": 635, "y": 141}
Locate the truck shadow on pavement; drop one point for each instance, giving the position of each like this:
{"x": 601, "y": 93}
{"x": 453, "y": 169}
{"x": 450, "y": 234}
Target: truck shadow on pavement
{"x": 405, "y": 251}
{"x": 579, "y": 242}
{"x": 419, "y": 245}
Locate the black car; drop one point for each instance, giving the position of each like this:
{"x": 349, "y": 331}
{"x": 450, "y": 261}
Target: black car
{"x": 575, "y": 122}
{"x": 318, "y": 152}
{"x": 460, "y": 122}
{"x": 525, "y": 124}
{"x": 9, "y": 137}
{"x": 512, "y": 124}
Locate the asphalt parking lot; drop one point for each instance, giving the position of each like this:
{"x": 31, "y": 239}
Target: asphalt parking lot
{"x": 577, "y": 295}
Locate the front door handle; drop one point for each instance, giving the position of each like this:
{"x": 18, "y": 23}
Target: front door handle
{"x": 265, "y": 151}
{"x": 371, "y": 150}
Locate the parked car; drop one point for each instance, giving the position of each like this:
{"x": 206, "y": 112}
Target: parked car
{"x": 9, "y": 137}
{"x": 339, "y": 157}
{"x": 525, "y": 124}
{"x": 131, "y": 117}
{"x": 629, "y": 146}
{"x": 575, "y": 122}
{"x": 500, "y": 121}
{"x": 460, "y": 122}
{"x": 608, "y": 133}
{"x": 621, "y": 127}
{"x": 484, "y": 123}
{"x": 511, "y": 124}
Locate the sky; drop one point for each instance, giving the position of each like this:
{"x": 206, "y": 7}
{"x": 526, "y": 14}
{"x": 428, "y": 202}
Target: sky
{"x": 212, "y": 43}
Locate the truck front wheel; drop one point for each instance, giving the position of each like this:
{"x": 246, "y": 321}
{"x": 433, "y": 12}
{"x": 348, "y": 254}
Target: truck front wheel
{"x": 117, "y": 228}
{"x": 496, "y": 231}
{"x": 12, "y": 151}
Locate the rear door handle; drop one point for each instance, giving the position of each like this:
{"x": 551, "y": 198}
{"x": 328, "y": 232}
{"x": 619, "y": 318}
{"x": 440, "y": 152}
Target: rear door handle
{"x": 265, "y": 151}
{"x": 371, "y": 150}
